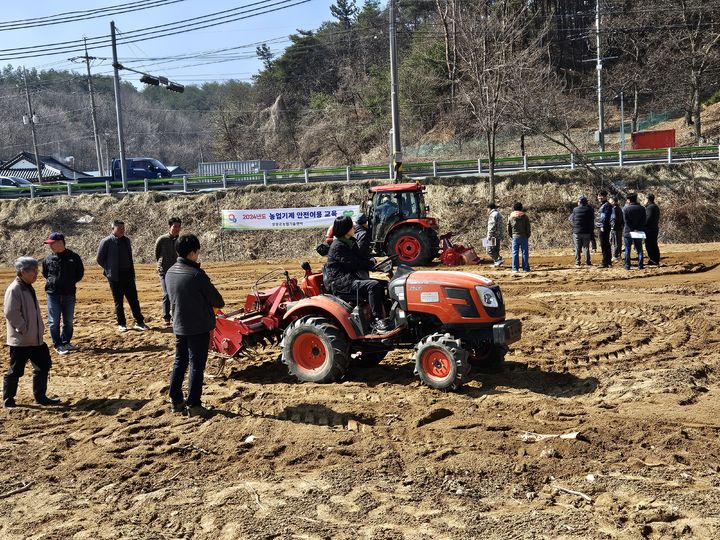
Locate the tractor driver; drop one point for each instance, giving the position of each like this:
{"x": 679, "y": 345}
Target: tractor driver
{"x": 386, "y": 214}
{"x": 344, "y": 265}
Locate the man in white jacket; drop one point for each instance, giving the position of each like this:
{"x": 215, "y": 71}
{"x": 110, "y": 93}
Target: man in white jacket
{"x": 495, "y": 232}
{"x": 25, "y": 331}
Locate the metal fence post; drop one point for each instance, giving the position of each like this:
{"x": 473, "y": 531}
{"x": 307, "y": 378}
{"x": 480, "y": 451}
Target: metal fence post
{"x": 347, "y": 173}
{"x": 145, "y": 184}
{"x": 435, "y": 168}
{"x": 718, "y": 152}
{"x": 524, "y": 162}
{"x": 184, "y": 183}
{"x": 620, "y": 158}
{"x": 390, "y": 172}
{"x": 224, "y": 180}
{"x": 69, "y": 189}
{"x": 307, "y": 177}
{"x": 264, "y": 178}
{"x": 670, "y": 156}
{"x": 572, "y": 161}
{"x": 32, "y": 191}
{"x": 107, "y": 187}
{"x": 479, "y": 166}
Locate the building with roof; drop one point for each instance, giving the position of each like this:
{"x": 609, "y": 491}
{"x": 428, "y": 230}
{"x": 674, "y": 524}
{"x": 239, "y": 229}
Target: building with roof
{"x": 53, "y": 170}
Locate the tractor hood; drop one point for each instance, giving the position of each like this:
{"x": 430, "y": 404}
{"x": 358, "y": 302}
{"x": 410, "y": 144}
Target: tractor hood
{"x": 449, "y": 279}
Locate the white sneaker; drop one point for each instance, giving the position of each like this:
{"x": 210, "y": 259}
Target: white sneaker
{"x": 141, "y": 327}
{"x": 122, "y": 328}
{"x": 498, "y": 262}
{"x": 60, "y": 349}
{"x": 70, "y": 347}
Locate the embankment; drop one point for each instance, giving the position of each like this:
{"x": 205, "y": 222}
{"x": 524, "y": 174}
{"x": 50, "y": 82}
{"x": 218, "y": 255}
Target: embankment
{"x": 687, "y": 194}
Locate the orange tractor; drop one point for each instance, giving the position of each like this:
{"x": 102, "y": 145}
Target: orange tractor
{"x": 450, "y": 319}
{"x": 400, "y": 226}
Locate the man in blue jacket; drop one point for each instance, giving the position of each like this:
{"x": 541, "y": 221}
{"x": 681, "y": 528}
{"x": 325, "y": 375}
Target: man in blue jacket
{"x": 193, "y": 298}
{"x": 583, "y": 224}
{"x": 634, "y": 231}
{"x": 604, "y": 216}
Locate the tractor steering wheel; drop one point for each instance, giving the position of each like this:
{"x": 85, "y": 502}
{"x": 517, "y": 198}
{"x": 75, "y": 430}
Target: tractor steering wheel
{"x": 385, "y": 266}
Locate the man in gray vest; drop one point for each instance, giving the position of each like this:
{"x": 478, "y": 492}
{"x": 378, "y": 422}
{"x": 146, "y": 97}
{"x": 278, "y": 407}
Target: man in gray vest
{"x": 192, "y": 301}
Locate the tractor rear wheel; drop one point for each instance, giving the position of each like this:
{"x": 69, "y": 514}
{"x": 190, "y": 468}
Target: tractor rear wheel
{"x": 315, "y": 350}
{"x": 441, "y": 362}
{"x": 413, "y": 246}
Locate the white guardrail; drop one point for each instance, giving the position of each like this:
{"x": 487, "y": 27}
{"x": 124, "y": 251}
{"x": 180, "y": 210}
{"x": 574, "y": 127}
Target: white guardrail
{"x": 467, "y": 167}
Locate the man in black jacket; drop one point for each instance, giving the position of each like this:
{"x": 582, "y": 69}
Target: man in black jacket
{"x": 62, "y": 270}
{"x": 604, "y": 217}
{"x": 192, "y": 299}
{"x": 583, "y": 224}
{"x": 634, "y": 216}
{"x": 617, "y": 224}
{"x": 652, "y": 222}
{"x": 343, "y": 272}
{"x": 115, "y": 256}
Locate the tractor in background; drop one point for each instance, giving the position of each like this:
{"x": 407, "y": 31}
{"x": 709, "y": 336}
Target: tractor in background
{"x": 401, "y": 228}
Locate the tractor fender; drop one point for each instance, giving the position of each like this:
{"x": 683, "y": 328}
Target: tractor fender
{"x": 423, "y": 223}
{"x": 327, "y": 306}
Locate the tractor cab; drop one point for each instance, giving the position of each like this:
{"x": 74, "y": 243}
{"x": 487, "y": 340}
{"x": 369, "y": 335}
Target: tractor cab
{"x": 400, "y": 227}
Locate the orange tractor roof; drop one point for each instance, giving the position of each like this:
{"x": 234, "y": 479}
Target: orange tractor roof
{"x": 389, "y": 188}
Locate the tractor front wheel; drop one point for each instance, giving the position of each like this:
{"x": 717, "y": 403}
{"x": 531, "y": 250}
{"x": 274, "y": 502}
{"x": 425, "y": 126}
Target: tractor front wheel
{"x": 412, "y": 246}
{"x": 441, "y": 362}
{"x": 315, "y": 350}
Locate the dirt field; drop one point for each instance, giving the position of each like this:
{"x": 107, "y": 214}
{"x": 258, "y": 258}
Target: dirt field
{"x": 627, "y": 359}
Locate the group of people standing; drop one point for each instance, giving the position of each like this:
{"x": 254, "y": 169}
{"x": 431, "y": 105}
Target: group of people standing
{"x": 188, "y": 304}
{"x": 627, "y": 226}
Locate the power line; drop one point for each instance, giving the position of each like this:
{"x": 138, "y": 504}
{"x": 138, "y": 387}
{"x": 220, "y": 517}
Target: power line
{"x": 73, "y": 16}
{"x": 175, "y": 28}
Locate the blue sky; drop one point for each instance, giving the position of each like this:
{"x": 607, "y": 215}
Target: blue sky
{"x": 204, "y": 58}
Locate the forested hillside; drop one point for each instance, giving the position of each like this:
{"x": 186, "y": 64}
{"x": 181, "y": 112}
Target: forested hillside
{"x": 485, "y": 70}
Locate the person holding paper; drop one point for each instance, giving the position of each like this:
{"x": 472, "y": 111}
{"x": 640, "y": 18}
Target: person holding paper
{"x": 495, "y": 231}
{"x": 634, "y": 231}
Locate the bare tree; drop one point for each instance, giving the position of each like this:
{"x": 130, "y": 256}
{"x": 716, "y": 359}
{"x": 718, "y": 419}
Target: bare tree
{"x": 500, "y": 46}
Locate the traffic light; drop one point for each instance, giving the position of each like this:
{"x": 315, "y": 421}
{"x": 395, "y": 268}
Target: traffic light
{"x": 149, "y": 79}
{"x": 175, "y": 87}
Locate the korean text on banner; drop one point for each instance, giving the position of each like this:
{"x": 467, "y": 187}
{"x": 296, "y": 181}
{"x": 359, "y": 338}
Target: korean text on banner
{"x": 285, "y": 218}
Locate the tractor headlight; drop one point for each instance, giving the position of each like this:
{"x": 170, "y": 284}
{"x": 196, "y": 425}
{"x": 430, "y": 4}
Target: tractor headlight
{"x": 487, "y": 296}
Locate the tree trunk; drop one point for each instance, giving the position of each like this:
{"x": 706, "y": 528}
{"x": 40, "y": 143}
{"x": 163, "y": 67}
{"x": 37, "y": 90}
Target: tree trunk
{"x": 696, "y": 106}
{"x": 490, "y": 139}
{"x": 636, "y": 111}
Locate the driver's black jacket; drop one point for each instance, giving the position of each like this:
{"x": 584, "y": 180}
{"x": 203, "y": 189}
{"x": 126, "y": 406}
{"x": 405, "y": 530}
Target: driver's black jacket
{"x": 343, "y": 264}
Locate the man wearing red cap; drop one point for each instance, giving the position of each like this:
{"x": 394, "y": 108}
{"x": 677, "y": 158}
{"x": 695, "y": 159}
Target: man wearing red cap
{"x": 62, "y": 270}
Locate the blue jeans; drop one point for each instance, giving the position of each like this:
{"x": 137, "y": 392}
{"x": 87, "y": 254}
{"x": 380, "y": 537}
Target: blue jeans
{"x": 629, "y": 243}
{"x": 165, "y": 299}
{"x": 520, "y": 243}
{"x": 61, "y": 306}
{"x": 192, "y": 351}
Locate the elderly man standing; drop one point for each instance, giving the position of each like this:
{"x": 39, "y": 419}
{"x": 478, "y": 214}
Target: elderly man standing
{"x": 165, "y": 255}
{"x": 25, "y": 335}
{"x": 115, "y": 256}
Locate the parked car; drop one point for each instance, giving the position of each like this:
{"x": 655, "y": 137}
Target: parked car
{"x": 140, "y": 168}
{"x": 14, "y": 182}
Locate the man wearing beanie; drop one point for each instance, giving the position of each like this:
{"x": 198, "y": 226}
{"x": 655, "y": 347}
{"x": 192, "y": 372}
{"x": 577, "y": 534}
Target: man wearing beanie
{"x": 345, "y": 262}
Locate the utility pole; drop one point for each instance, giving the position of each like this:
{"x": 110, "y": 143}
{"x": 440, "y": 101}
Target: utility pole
{"x": 31, "y": 120}
{"x": 92, "y": 109}
{"x": 118, "y": 108}
{"x": 601, "y": 108}
{"x": 396, "y": 148}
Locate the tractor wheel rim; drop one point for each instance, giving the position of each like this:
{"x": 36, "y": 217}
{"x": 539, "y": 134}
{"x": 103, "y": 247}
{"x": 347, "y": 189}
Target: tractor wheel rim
{"x": 436, "y": 364}
{"x": 309, "y": 351}
{"x": 408, "y": 248}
